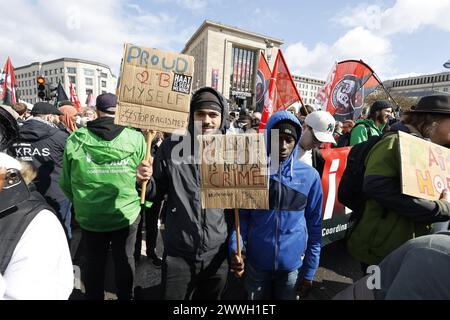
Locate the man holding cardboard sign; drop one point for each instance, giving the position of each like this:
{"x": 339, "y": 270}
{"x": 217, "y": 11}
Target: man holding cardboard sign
{"x": 391, "y": 217}
{"x": 194, "y": 262}
{"x": 283, "y": 242}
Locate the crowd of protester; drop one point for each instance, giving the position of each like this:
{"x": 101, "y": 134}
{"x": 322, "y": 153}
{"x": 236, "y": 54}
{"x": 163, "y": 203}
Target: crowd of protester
{"x": 61, "y": 170}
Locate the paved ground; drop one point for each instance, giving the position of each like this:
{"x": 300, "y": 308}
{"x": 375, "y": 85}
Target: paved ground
{"x": 337, "y": 270}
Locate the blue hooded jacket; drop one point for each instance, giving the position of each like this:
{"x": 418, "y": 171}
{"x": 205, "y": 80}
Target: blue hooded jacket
{"x": 276, "y": 239}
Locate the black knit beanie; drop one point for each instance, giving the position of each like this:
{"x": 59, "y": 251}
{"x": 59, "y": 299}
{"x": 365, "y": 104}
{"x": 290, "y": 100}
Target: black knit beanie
{"x": 287, "y": 127}
{"x": 206, "y": 100}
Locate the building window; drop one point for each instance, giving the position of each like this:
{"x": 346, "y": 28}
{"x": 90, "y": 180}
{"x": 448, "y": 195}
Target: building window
{"x": 104, "y": 75}
{"x": 103, "y": 84}
{"x": 89, "y": 81}
{"x": 448, "y": 77}
{"x": 445, "y": 90}
{"x": 88, "y": 91}
{"x": 34, "y": 73}
{"x": 103, "y": 91}
{"x": 71, "y": 70}
{"x": 46, "y": 73}
{"x": 56, "y": 71}
{"x": 72, "y": 79}
{"x": 242, "y": 70}
{"x": 89, "y": 72}
{"x": 61, "y": 70}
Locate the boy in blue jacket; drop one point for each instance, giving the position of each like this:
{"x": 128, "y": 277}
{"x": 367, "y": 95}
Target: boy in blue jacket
{"x": 282, "y": 243}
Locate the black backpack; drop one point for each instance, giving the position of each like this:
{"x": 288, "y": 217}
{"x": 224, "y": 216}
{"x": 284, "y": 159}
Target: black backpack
{"x": 350, "y": 191}
{"x": 344, "y": 140}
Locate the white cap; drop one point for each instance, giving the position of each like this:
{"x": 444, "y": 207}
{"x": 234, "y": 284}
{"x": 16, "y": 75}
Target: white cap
{"x": 9, "y": 162}
{"x": 322, "y": 124}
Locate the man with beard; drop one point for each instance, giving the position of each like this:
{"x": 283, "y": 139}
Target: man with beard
{"x": 195, "y": 249}
{"x": 379, "y": 115}
{"x": 391, "y": 218}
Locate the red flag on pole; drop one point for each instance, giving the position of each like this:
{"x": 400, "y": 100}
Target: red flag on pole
{"x": 74, "y": 98}
{"x": 348, "y": 84}
{"x": 282, "y": 90}
{"x": 9, "y": 84}
{"x": 269, "y": 99}
{"x": 262, "y": 83}
{"x": 287, "y": 93}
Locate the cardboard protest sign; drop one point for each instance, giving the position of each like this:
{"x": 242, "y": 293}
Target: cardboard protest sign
{"x": 234, "y": 171}
{"x": 155, "y": 89}
{"x": 425, "y": 167}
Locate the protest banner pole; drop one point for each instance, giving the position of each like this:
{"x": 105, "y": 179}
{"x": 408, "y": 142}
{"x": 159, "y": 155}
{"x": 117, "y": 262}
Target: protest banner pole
{"x": 238, "y": 231}
{"x": 150, "y": 134}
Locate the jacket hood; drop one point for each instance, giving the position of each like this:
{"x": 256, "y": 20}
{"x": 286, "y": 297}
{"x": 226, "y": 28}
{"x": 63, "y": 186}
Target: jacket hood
{"x": 273, "y": 120}
{"x": 103, "y": 151}
{"x": 371, "y": 124}
{"x": 223, "y": 102}
{"x": 105, "y": 128}
{"x": 34, "y": 130}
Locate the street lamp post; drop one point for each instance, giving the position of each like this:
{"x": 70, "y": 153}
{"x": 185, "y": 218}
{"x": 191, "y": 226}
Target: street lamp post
{"x": 269, "y": 46}
{"x": 99, "y": 78}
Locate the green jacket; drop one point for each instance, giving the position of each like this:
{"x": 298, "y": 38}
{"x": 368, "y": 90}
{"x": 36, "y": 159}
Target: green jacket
{"x": 99, "y": 178}
{"x": 359, "y": 132}
{"x": 390, "y": 218}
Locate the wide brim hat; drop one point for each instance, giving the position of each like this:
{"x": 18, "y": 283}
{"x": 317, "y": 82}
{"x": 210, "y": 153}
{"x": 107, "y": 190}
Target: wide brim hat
{"x": 438, "y": 104}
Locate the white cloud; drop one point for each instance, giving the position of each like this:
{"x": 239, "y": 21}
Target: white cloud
{"x": 406, "y": 16}
{"x": 371, "y": 27}
{"x": 358, "y": 43}
{"x": 192, "y": 5}
{"x": 94, "y": 30}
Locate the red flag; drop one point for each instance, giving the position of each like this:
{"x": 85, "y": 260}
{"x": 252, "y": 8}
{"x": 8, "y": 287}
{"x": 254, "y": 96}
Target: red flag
{"x": 74, "y": 98}
{"x": 282, "y": 90}
{"x": 268, "y": 100}
{"x": 347, "y": 86}
{"x": 262, "y": 83}
{"x": 9, "y": 84}
{"x": 286, "y": 92}
{"x": 90, "y": 102}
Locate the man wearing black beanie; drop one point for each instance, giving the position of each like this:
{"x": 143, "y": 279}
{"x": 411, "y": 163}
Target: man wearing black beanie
{"x": 282, "y": 242}
{"x": 195, "y": 251}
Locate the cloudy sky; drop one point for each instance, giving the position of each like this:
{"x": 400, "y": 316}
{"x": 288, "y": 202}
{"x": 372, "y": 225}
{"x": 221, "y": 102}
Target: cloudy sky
{"x": 395, "y": 37}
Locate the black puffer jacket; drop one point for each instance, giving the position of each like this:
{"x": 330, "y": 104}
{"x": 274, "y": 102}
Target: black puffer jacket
{"x": 190, "y": 232}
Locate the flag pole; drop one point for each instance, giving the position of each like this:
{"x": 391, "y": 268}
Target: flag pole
{"x": 238, "y": 231}
{"x": 385, "y": 90}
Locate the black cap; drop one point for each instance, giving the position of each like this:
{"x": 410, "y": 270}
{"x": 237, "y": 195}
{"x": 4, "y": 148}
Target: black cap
{"x": 106, "y": 102}
{"x": 206, "y": 100}
{"x": 45, "y": 108}
{"x": 380, "y": 105}
{"x": 439, "y": 104}
{"x": 287, "y": 127}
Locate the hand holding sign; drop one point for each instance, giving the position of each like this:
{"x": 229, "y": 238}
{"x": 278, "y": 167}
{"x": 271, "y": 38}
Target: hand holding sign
{"x": 154, "y": 93}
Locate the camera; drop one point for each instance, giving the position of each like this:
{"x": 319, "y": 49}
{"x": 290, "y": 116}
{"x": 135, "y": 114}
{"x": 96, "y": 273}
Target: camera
{"x": 14, "y": 190}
